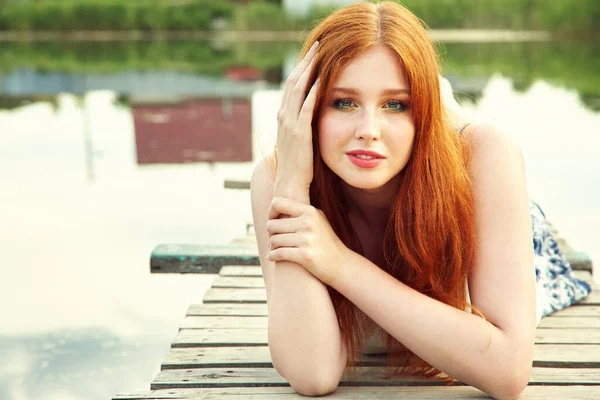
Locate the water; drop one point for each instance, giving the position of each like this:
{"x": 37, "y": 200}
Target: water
{"x": 85, "y": 198}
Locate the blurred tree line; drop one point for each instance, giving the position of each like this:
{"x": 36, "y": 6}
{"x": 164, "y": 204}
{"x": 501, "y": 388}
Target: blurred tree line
{"x": 569, "y": 64}
{"x": 568, "y": 16}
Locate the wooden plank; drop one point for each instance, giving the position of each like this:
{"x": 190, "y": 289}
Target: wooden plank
{"x": 567, "y": 335}
{"x": 242, "y": 310}
{"x": 220, "y": 337}
{"x": 369, "y": 393}
{"x": 238, "y": 282}
{"x": 577, "y": 311}
{"x": 235, "y": 296}
{"x": 200, "y": 322}
{"x": 240, "y": 270}
{"x": 260, "y": 310}
{"x": 582, "y": 275}
{"x": 570, "y": 322}
{"x": 567, "y": 355}
{"x": 256, "y": 271}
{"x": 251, "y": 277}
{"x": 369, "y": 376}
{"x": 256, "y": 295}
{"x": 579, "y": 261}
{"x": 226, "y": 322}
{"x": 545, "y": 355}
{"x": 236, "y": 184}
{"x": 249, "y": 377}
{"x": 593, "y": 299}
{"x": 201, "y": 259}
{"x": 215, "y": 357}
{"x": 258, "y": 337}
{"x": 208, "y": 259}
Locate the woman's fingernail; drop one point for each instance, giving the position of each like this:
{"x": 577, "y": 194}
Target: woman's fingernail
{"x": 313, "y": 48}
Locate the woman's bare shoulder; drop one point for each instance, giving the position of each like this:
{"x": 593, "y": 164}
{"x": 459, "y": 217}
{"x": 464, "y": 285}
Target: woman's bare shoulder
{"x": 487, "y": 137}
{"x": 263, "y": 179}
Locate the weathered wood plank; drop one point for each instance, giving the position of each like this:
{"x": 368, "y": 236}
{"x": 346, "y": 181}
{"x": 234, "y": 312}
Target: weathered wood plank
{"x": 576, "y": 311}
{"x": 260, "y": 310}
{"x": 218, "y": 357}
{"x": 201, "y": 259}
{"x": 258, "y": 337}
{"x": 225, "y": 322}
{"x": 238, "y": 282}
{"x": 220, "y": 337}
{"x": 579, "y": 261}
{"x": 570, "y": 322}
{"x": 235, "y": 296}
{"x": 208, "y": 259}
{"x": 369, "y": 376}
{"x": 240, "y": 270}
{"x": 253, "y": 282}
{"x": 567, "y": 335}
{"x": 193, "y": 322}
{"x": 259, "y": 295}
{"x": 242, "y": 309}
{"x": 256, "y": 271}
{"x": 593, "y": 299}
{"x": 544, "y": 355}
{"x": 236, "y": 184}
{"x": 567, "y": 355}
{"x": 368, "y": 393}
{"x": 250, "y": 377}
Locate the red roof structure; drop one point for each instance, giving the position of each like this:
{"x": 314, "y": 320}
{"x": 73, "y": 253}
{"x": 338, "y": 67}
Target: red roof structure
{"x": 195, "y": 130}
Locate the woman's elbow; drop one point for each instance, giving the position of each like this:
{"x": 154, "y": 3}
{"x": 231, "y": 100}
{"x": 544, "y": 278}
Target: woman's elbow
{"x": 310, "y": 382}
{"x": 512, "y": 384}
{"x": 315, "y": 386}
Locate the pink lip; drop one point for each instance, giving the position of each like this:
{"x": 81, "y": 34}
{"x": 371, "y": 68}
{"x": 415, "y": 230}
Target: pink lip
{"x": 365, "y": 153}
{"x": 359, "y": 162}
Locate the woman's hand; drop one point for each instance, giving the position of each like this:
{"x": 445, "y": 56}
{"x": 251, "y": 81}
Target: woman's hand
{"x": 294, "y": 133}
{"x": 306, "y": 238}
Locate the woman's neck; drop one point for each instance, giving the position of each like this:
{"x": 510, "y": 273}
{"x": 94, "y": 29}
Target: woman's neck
{"x": 372, "y": 206}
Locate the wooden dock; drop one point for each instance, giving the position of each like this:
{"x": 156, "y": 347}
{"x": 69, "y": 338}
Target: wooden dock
{"x": 221, "y": 350}
{"x": 221, "y": 353}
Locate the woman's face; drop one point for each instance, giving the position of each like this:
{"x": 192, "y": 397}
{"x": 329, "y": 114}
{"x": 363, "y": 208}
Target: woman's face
{"x": 368, "y": 110}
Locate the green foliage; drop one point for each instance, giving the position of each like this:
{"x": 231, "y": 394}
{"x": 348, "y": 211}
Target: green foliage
{"x": 113, "y": 57}
{"x": 266, "y": 16}
{"x": 152, "y": 15}
{"x": 577, "y": 16}
{"x": 570, "y": 64}
{"x": 553, "y": 15}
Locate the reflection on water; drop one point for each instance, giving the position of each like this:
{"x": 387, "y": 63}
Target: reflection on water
{"x": 84, "y": 318}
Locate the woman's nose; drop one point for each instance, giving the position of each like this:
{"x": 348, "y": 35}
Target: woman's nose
{"x": 368, "y": 126}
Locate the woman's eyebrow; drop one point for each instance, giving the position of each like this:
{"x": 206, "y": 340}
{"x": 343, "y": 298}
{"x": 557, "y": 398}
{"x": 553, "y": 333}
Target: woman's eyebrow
{"x": 385, "y": 92}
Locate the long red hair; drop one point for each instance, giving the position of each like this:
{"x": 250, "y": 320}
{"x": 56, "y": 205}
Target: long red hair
{"x": 429, "y": 243}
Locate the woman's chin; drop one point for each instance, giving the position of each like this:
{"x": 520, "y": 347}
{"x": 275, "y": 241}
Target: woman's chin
{"x": 364, "y": 184}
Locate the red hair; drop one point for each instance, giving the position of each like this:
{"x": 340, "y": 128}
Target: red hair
{"x": 429, "y": 243}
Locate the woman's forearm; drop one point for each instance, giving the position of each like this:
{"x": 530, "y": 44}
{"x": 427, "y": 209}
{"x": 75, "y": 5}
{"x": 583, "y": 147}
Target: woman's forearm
{"x": 461, "y": 344}
{"x": 304, "y": 335}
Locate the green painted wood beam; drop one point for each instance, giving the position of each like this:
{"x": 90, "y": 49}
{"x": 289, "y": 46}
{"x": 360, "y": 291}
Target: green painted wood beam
{"x": 208, "y": 259}
{"x": 201, "y": 259}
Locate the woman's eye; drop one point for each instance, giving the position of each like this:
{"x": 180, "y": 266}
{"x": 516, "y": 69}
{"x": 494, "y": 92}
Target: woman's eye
{"x": 396, "y": 105}
{"x": 343, "y": 104}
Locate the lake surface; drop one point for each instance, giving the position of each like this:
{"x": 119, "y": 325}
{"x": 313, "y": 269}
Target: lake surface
{"x": 105, "y": 154}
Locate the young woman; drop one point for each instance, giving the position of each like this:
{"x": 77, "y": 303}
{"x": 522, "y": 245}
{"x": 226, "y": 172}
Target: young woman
{"x": 377, "y": 219}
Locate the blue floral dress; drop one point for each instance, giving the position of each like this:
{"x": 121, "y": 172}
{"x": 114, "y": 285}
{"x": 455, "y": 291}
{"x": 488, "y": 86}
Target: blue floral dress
{"x": 556, "y": 287}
